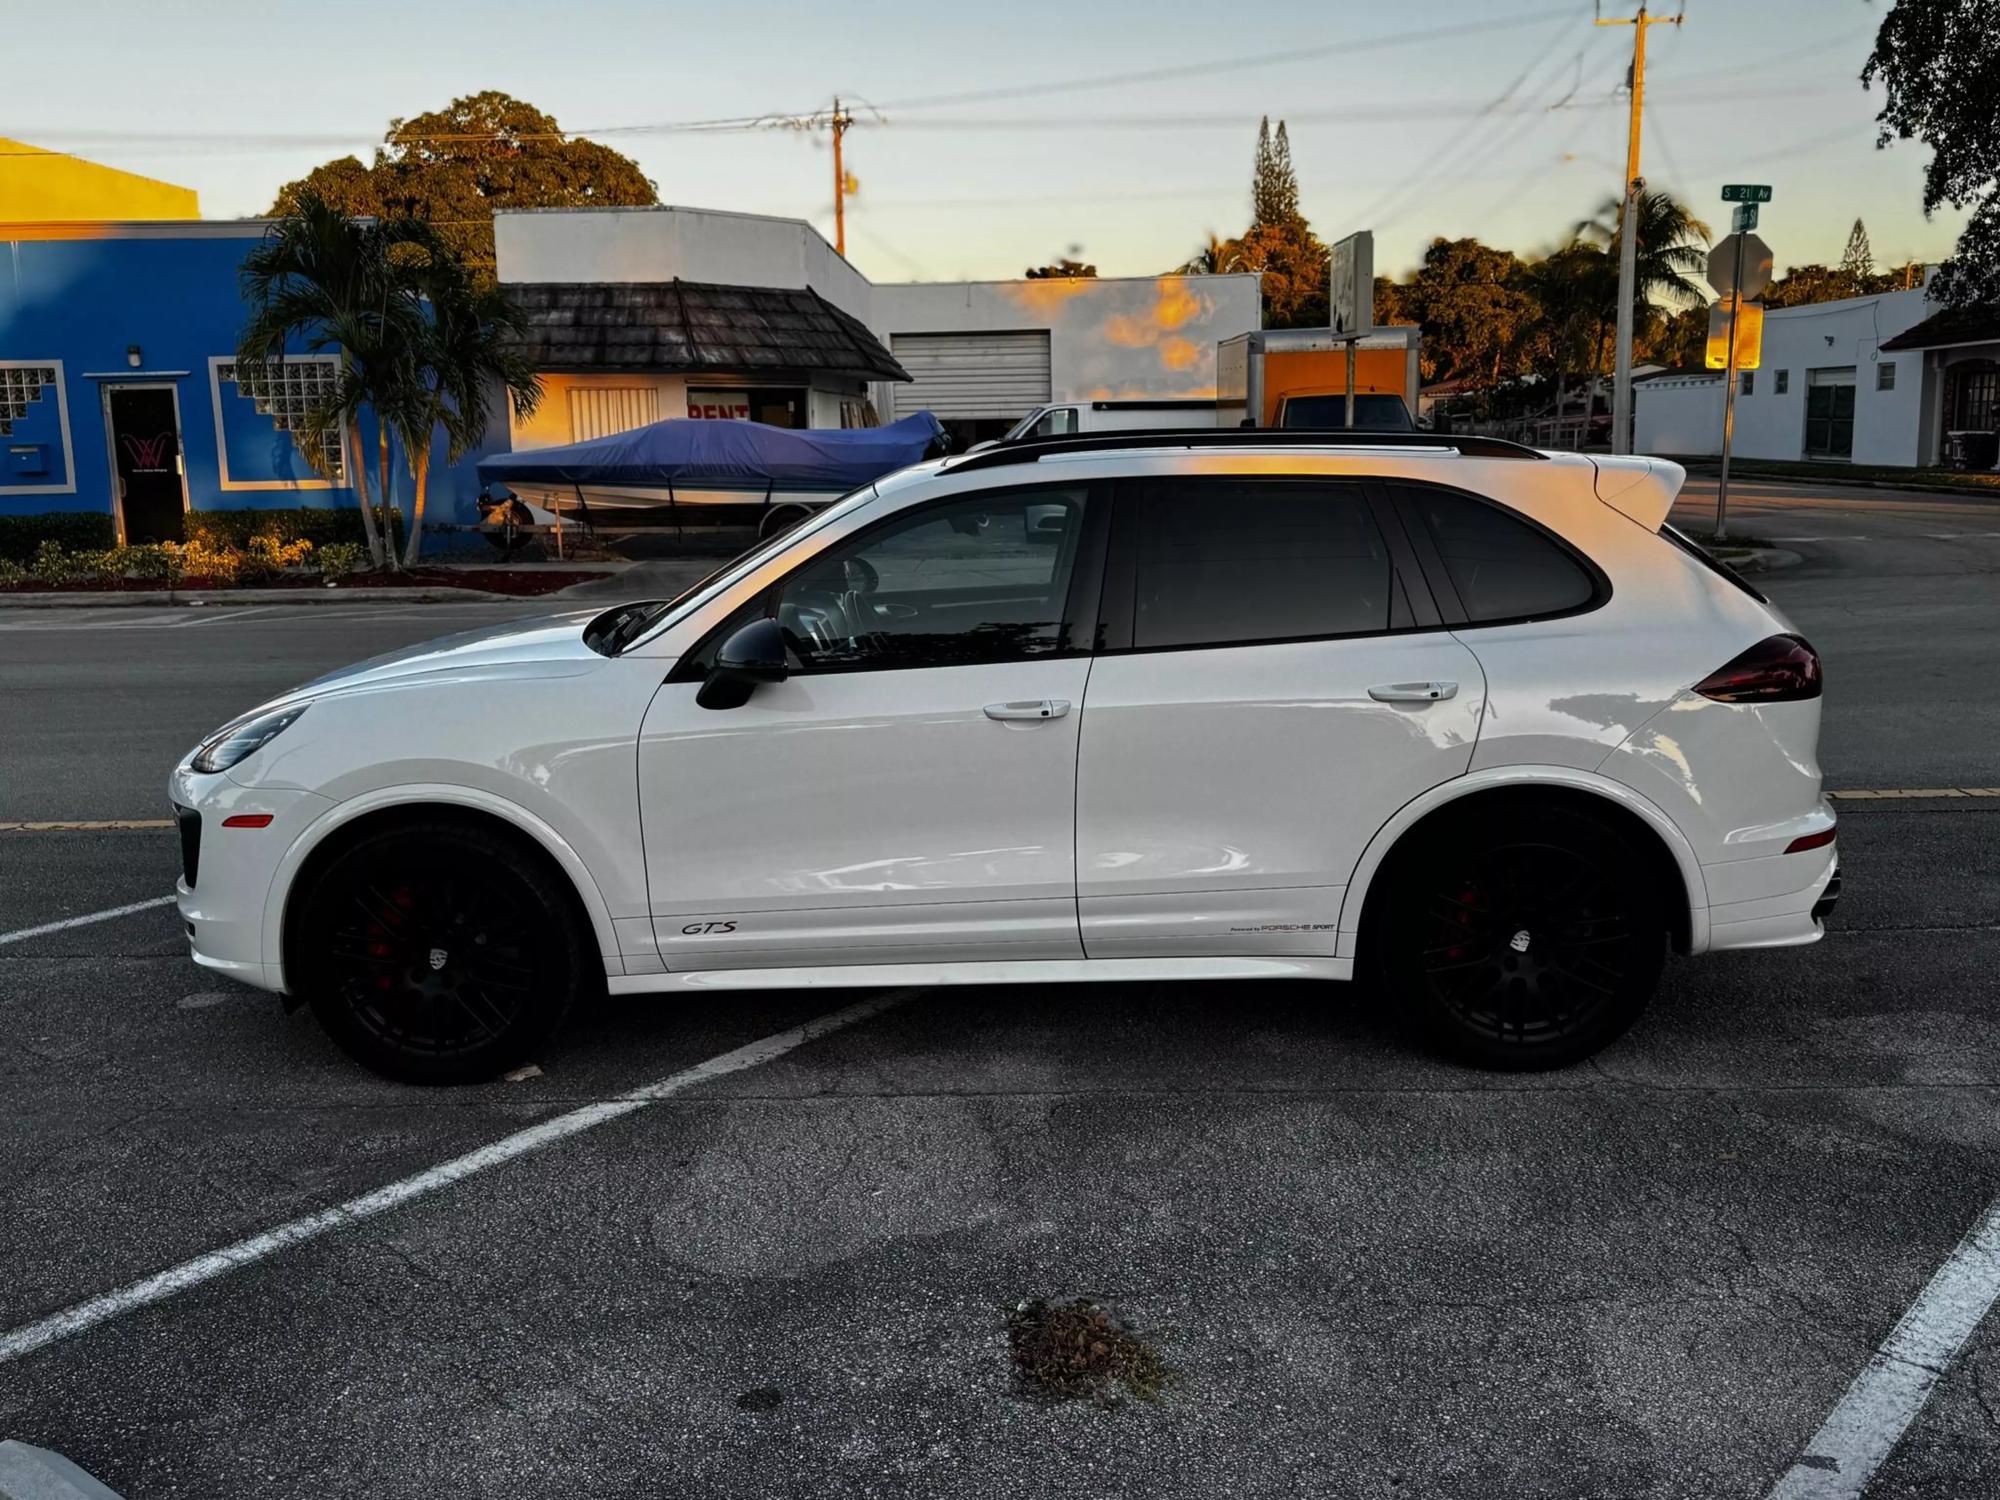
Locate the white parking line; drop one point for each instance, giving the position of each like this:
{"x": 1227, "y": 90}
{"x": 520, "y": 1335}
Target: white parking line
{"x": 1863, "y": 1430}
{"x": 192, "y": 1273}
{"x": 22, "y": 934}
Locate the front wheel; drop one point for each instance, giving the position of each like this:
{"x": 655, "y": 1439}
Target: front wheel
{"x": 438, "y": 953}
{"x": 1525, "y": 937}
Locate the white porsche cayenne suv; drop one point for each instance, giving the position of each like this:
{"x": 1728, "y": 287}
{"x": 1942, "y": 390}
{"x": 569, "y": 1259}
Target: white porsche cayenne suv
{"x": 1466, "y": 718}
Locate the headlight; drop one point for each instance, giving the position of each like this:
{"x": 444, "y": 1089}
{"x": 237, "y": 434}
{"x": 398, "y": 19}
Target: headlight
{"x": 243, "y": 739}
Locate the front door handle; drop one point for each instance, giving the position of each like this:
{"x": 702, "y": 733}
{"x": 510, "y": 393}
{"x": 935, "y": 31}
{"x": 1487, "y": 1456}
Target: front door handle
{"x": 1412, "y": 692}
{"x": 1032, "y": 708}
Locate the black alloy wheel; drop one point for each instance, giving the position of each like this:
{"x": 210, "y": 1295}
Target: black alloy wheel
{"x": 438, "y": 953}
{"x": 1528, "y": 937}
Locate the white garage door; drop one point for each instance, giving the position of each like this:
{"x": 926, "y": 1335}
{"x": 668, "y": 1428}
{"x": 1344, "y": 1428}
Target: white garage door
{"x": 964, "y": 375}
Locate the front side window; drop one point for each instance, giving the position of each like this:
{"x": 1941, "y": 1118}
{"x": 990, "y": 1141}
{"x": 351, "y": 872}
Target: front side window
{"x": 1502, "y": 567}
{"x": 982, "y": 579}
{"x": 1229, "y": 562}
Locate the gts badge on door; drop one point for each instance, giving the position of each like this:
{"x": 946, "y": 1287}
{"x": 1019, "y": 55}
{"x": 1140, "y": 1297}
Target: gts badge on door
{"x": 705, "y": 929}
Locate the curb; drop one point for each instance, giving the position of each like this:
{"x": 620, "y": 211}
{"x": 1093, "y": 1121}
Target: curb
{"x": 161, "y": 599}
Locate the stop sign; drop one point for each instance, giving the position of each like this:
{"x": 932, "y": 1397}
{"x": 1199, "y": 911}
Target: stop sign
{"x": 1743, "y": 279}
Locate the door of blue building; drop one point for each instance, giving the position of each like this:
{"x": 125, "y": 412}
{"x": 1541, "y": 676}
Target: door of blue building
{"x": 149, "y": 479}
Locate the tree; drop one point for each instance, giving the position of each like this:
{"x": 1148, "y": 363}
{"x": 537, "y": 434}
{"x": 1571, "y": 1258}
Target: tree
{"x": 1857, "y": 261}
{"x": 1274, "y": 189}
{"x": 1294, "y": 269}
{"x": 1217, "y": 257}
{"x": 456, "y": 165}
{"x": 325, "y": 280}
{"x": 1939, "y": 65}
{"x": 1575, "y": 295}
{"x": 1673, "y": 248}
{"x": 1683, "y": 343}
{"x": 1063, "y": 270}
{"x": 467, "y": 350}
{"x": 1473, "y": 308}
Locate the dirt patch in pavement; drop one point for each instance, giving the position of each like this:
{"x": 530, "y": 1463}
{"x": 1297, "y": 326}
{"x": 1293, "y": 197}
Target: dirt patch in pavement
{"x": 1077, "y": 1350}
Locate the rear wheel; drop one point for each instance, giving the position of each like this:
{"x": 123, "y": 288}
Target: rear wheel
{"x": 439, "y": 953}
{"x": 1524, "y": 937}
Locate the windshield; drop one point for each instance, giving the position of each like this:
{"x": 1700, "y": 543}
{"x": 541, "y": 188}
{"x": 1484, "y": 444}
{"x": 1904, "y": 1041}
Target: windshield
{"x": 618, "y": 630}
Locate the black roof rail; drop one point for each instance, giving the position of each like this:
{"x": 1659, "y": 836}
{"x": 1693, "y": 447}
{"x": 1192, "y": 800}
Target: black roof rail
{"x": 1028, "y": 450}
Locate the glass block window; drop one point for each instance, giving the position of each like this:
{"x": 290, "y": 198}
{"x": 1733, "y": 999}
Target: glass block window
{"x": 21, "y": 386}
{"x": 288, "y": 394}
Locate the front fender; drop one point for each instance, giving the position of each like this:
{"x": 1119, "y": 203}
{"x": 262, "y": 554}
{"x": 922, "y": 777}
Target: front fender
{"x": 428, "y": 794}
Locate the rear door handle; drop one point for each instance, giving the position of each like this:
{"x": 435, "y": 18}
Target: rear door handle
{"x": 1412, "y": 692}
{"x": 1032, "y": 708}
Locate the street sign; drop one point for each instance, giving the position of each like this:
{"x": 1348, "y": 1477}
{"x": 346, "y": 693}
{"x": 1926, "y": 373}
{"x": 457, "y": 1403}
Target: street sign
{"x": 1749, "y": 335}
{"x": 1747, "y": 192}
{"x": 1352, "y": 303}
{"x": 1744, "y": 218}
{"x": 1745, "y": 275}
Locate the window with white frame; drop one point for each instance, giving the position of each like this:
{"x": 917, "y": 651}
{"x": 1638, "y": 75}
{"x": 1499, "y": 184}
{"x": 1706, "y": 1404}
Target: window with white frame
{"x": 21, "y": 386}
{"x": 1885, "y": 375}
{"x": 291, "y": 392}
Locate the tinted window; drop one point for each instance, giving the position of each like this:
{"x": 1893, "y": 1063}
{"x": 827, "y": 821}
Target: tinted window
{"x": 1372, "y": 413}
{"x": 977, "y": 580}
{"x": 1503, "y": 568}
{"x": 1229, "y": 561}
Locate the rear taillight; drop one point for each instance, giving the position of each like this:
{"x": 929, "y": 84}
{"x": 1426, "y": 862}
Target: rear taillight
{"x": 1778, "y": 669}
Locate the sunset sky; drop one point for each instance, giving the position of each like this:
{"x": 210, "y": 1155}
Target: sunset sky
{"x": 1011, "y": 135}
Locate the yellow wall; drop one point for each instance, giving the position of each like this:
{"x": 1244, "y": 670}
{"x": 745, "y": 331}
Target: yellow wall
{"x": 48, "y": 185}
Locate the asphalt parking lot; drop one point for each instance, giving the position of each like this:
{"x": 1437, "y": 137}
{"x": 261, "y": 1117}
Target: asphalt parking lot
{"x": 1373, "y": 1273}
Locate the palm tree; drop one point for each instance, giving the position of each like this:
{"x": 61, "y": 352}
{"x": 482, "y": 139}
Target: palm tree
{"x": 330, "y": 282}
{"x": 1215, "y": 258}
{"x": 467, "y": 351}
{"x": 1672, "y": 247}
{"x": 1575, "y": 291}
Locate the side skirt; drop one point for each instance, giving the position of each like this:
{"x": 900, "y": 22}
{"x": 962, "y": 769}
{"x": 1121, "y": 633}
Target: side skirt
{"x": 1016, "y": 971}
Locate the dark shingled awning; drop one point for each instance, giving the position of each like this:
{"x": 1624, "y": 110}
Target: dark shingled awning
{"x": 1978, "y": 324}
{"x": 687, "y": 327}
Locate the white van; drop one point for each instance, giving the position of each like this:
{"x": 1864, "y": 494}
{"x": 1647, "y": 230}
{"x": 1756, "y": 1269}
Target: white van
{"x": 1068, "y": 418}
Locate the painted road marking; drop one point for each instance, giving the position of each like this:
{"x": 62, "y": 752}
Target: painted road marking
{"x": 84, "y": 825}
{"x": 21, "y": 935}
{"x": 1870, "y": 1420}
{"x": 1905, "y": 793}
{"x": 192, "y": 1273}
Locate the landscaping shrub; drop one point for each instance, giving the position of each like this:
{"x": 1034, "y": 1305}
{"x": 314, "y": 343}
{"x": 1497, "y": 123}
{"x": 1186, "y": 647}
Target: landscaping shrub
{"x": 74, "y": 531}
{"x": 266, "y": 556}
{"x": 338, "y": 559}
{"x": 12, "y": 574}
{"x": 203, "y": 561}
{"x": 318, "y": 524}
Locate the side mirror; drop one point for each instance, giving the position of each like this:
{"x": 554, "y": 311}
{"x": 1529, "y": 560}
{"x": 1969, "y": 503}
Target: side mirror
{"x": 754, "y": 654}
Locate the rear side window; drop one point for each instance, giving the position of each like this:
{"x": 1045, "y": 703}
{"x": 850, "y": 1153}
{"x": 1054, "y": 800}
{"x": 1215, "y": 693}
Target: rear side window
{"x": 1502, "y": 567}
{"x": 1229, "y": 562}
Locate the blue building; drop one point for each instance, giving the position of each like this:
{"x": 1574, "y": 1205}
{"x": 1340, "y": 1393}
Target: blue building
{"x": 119, "y": 392}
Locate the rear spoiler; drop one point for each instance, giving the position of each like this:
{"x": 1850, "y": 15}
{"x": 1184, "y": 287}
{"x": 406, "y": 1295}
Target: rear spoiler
{"x": 1641, "y": 488}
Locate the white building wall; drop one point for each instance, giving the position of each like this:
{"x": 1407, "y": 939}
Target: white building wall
{"x": 1888, "y": 425}
{"x": 1109, "y": 336}
{"x": 659, "y": 244}
{"x": 1678, "y": 414}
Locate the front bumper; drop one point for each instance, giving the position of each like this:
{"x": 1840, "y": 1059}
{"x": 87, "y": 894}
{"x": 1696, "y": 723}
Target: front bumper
{"x": 228, "y": 872}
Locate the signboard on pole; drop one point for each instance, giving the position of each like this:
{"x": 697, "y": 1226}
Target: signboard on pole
{"x": 1749, "y": 334}
{"x": 1740, "y": 264}
{"x": 1351, "y": 300}
{"x": 1743, "y": 218}
{"x": 1746, "y": 192}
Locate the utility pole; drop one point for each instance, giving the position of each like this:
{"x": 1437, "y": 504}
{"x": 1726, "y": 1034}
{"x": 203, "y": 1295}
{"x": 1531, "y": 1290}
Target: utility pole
{"x": 840, "y": 121}
{"x": 1628, "y": 228}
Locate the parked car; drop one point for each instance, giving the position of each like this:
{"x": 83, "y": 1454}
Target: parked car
{"x": 1465, "y": 717}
